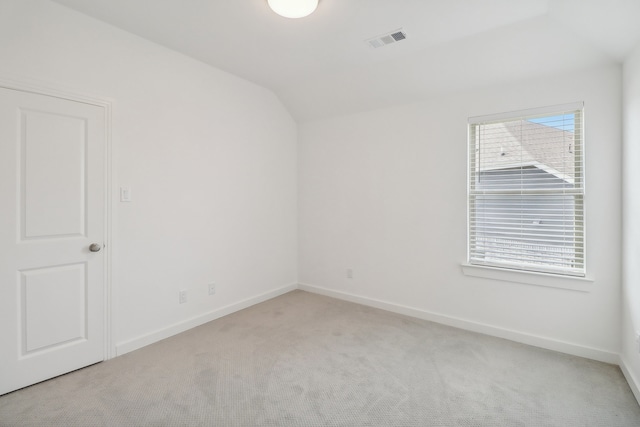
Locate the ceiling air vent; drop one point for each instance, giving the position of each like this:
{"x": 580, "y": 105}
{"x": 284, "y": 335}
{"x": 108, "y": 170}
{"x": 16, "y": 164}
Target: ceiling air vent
{"x": 389, "y": 38}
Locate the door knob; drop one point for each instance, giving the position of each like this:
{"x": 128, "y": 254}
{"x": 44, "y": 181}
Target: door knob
{"x": 95, "y": 247}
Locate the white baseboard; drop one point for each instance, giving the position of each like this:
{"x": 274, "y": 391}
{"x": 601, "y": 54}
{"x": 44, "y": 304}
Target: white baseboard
{"x": 534, "y": 340}
{"x": 160, "y": 334}
{"x": 631, "y": 379}
{"x": 547, "y": 343}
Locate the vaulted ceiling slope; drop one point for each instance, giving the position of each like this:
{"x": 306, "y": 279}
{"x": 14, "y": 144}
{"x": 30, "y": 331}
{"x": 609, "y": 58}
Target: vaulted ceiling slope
{"x": 322, "y": 65}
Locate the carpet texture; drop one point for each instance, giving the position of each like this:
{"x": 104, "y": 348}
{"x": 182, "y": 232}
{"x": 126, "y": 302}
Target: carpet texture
{"x": 308, "y": 360}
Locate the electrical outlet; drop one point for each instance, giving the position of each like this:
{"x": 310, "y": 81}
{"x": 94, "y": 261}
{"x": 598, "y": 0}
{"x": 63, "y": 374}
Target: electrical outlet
{"x": 638, "y": 340}
{"x": 183, "y": 296}
{"x": 349, "y": 273}
{"x": 212, "y": 288}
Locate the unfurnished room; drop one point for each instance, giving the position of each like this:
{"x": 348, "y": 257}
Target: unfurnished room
{"x": 320, "y": 213}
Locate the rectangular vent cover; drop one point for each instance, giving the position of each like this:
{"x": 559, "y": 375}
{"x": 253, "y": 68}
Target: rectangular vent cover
{"x": 389, "y": 38}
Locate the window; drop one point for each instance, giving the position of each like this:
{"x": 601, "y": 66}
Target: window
{"x": 526, "y": 191}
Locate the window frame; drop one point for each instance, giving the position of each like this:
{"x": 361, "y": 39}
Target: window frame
{"x": 495, "y": 268}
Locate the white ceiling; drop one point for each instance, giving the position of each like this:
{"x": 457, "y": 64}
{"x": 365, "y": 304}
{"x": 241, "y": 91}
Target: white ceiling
{"x": 321, "y": 65}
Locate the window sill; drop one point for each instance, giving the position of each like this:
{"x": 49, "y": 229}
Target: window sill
{"x": 580, "y": 284}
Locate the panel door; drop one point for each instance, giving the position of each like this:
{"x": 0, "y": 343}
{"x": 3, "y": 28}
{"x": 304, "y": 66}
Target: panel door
{"x": 52, "y": 208}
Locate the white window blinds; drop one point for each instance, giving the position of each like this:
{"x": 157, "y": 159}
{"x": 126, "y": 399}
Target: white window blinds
{"x": 526, "y": 191}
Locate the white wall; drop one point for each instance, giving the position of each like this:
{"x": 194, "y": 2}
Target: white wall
{"x": 384, "y": 193}
{"x": 630, "y": 353}
{"x": 210, "y": 158}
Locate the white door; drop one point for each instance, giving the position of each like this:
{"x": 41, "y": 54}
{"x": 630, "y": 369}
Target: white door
{"x": 52, "y": 192}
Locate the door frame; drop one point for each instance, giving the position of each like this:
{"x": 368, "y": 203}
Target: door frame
{"x": 49, "y": 89}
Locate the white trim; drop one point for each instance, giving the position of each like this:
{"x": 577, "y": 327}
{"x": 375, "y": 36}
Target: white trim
{"x": 49, "y": 89}
{"x": 634, "y": 384}
{"x": 109, "y": 306}
{"x": 526, "y": 113}
{"x": 52, "y": 89}
{"x": 541, "y": 166}
{"x": 573, "y": 283}
{"x": 521, "y": 337}
{"x": 538, "y": 165}
{"x": 176, "y": 328}
{"x": 557, "y": 174}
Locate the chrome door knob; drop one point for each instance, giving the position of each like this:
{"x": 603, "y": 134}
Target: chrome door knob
{"x": 95, "y": 247}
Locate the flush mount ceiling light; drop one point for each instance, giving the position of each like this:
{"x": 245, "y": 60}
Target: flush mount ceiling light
{"x": 293, "y": 8}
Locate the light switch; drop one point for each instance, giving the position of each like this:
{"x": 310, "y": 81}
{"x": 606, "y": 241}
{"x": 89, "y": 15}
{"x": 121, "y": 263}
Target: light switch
{"x": 125, "y": 194}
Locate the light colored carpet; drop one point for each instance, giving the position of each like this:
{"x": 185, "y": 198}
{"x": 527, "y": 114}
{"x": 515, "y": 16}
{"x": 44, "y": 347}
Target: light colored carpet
{"x": 307, "y": 360}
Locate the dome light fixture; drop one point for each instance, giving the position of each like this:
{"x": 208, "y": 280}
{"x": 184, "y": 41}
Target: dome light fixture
{"x": 293, "y": 8}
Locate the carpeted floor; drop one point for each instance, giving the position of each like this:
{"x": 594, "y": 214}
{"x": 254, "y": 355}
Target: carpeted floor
{"x": 307, "y": 360}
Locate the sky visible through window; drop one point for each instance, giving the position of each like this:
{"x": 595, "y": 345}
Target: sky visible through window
{"x": 562, "y": 122}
